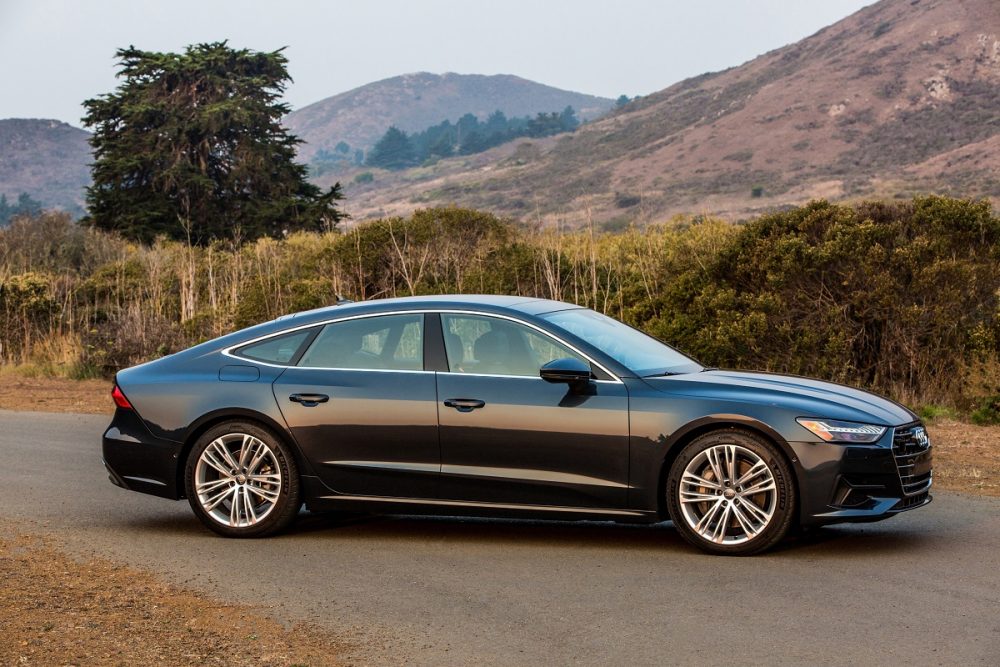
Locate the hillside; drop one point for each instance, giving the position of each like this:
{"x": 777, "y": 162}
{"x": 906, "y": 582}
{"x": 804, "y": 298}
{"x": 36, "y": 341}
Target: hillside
{"x": 902, "y": 97}
{"x": 47, "y": 159}
{"x": 413, "y": 102}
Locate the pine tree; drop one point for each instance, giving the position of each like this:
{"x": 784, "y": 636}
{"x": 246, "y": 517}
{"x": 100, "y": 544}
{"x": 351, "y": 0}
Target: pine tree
{"x": 191, "y": 146}
{"x": 568, "y": 119}
{"x": 393, "y": 151}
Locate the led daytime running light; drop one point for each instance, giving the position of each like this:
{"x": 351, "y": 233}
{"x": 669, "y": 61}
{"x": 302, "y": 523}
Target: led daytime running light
{"x": 831, "y": 431}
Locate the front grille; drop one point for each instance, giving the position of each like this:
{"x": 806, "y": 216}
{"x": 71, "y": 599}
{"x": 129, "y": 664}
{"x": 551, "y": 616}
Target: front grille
{"x": 910, "y": 447}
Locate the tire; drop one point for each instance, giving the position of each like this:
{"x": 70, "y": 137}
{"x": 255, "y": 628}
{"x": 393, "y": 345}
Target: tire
{"x": 737, "y": 519}
{"x": 242, "y": 481}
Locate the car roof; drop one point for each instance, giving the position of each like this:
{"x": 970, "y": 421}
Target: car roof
{"x": 485, "y": 302}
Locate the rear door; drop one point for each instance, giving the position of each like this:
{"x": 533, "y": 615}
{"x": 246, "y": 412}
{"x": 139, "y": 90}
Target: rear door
{"x": 363, "y": 409}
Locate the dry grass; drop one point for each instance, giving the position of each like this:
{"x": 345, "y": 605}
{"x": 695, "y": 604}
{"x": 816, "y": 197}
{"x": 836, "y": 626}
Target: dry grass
{"x": 55, "y": 610}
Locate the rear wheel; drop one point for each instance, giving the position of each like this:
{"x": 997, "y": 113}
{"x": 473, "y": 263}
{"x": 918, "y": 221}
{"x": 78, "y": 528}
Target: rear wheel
{"x": 242, "y": 481}
{"x": 730, "y": 492}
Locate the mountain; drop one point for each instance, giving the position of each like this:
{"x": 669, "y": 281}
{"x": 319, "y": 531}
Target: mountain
{"x": 48, "y": 159}
{"x": 902, "y": 97}
{"x": 413, "y": 102}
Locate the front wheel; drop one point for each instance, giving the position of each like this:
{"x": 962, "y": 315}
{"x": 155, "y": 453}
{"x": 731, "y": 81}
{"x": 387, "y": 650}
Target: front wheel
{"x": 241, "y": 481}
{"x": 731, "y": 492}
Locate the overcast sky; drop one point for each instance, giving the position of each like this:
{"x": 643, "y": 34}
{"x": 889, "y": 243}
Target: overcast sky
{"x": 56, "y": 53}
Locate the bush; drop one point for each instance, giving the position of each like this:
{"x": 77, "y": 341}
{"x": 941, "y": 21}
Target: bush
{"x": 988, "y": 412}
{"x": 886, "y": 296}
{"x": 932, "y": 412}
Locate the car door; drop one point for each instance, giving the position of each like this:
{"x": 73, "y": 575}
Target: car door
{"x": 363, "y": 410}
{"x": 508, "y": 436}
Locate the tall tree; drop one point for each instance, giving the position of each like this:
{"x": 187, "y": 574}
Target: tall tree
{"x": 190, "y": 146}
{"x": 568, "y": 119}
{"x": 393, "y": 151}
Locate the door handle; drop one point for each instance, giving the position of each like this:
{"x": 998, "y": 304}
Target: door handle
{"x": 309, "y": 400}
{"x": 464, "y": 404}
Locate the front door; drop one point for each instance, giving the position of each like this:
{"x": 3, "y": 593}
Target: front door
{"x": 362, "y": 408}
{"x": 509, "y": 437}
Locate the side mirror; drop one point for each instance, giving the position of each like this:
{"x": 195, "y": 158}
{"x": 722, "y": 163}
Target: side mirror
{"x": 573, "y": 372}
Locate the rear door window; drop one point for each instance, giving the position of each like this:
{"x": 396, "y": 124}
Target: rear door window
{"x": 385, "y": 342}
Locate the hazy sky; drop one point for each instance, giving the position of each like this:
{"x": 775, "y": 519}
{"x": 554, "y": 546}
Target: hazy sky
{"x": 56, "y": 53}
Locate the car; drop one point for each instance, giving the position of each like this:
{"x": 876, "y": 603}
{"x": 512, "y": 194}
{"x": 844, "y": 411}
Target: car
{"x": 503, "y": 406}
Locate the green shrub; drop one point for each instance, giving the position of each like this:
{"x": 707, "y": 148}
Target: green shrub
{"x": 988, "y": 412}
{"x": 932, "y": 412}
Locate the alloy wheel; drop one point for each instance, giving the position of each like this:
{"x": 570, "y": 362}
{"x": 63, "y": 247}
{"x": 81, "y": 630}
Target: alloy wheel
{"x": 727, "y": 494}
{"x": 237, "y": 480}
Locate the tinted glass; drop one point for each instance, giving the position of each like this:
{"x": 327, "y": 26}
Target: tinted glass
{"x": 278, "y": 350}
{"x": 493, "y": 346}
{"x": 642, "y": 354}
{"x": 391, "y": 342}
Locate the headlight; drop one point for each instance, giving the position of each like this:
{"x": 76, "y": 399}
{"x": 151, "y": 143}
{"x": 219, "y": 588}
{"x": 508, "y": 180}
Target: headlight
{"x": 837, "y": 431}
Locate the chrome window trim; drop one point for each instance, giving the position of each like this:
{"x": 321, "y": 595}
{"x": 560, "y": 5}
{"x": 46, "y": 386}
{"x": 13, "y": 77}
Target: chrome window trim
{"x": 451, "y": 311}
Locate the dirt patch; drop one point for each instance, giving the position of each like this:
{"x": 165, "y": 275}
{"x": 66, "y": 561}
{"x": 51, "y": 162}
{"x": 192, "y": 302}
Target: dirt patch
{"x": 966, "y": 457}
{"x": 55, "y": 395}
{"x": 55, "y": 610}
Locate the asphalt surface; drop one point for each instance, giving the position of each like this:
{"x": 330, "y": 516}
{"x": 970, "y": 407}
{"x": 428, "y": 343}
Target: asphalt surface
{"x": 920, "y": 589}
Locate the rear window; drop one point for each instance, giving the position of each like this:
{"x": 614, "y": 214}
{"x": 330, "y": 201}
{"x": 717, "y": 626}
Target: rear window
{"x": 277, "y": 350}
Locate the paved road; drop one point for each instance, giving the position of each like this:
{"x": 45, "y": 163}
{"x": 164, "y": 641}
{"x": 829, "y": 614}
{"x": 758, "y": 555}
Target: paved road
{"x": 921, "y": 589}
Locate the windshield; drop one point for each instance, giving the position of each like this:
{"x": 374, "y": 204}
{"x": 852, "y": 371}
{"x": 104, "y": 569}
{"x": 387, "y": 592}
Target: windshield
{"x": 642, "y": 354}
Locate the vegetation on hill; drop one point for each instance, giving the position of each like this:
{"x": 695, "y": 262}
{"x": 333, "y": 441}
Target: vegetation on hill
{"x": 46, "y": 159}
{"x": 25, "y": 205}
{"x": 190, "y": 146}
{"x": 901, "y": 297}
{"x": 856, "y": 110}
{"x": 468, "y": 135}
{"x": 413, "y": 102}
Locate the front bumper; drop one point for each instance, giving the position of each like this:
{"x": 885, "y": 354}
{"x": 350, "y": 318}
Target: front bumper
{"x": 856, "y": 483}
{"x": 138, "y": 461}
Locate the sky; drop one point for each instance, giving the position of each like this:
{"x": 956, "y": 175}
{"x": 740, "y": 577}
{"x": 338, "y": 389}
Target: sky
{"x": 56, "y": 53}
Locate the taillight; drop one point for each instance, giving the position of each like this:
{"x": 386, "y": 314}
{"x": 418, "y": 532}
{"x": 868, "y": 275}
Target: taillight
{"x": 119, "y": 398}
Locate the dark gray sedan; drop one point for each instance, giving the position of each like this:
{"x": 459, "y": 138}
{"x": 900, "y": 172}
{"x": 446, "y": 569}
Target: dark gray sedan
{"x": 503, "y": 406}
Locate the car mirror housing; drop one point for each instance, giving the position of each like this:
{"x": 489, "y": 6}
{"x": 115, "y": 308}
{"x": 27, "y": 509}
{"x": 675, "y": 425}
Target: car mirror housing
{"x": 574, "y": 372}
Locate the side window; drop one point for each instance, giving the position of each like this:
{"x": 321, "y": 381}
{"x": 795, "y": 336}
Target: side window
{"x": 277, "y": 350}
{"x": 493, "y": 346}
{"x": 391, "y": 342}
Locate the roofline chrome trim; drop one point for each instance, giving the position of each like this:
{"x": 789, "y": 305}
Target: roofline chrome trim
{"x": 457, "y": 311}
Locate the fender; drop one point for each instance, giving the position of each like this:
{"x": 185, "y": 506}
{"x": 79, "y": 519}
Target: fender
{"x": 722, "y": 419}
{"x": 209, "y": 419}
{"x": 652, "y": 457}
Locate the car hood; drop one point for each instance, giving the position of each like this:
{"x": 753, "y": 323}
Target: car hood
{"x": 805, "y": 396}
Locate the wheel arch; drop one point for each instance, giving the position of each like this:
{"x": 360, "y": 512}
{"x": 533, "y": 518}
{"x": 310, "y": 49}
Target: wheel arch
{"x": 216, "y": 417}
{"x": 686, "y": 434}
